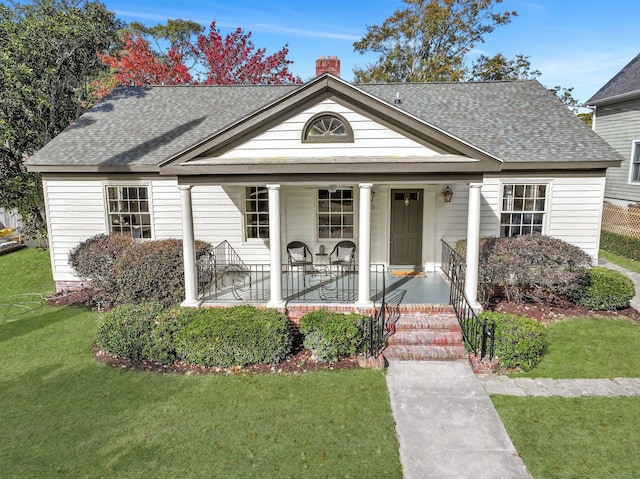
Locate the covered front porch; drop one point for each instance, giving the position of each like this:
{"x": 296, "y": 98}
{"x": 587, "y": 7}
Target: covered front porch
{"x": 239, "y": 280}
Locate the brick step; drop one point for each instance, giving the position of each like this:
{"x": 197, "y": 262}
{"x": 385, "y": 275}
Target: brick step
{"x": 412, "y": 322}
{"x": 425, "y": 309}
{"x": 426, "y": 337}
{"x": 425, "y": 353}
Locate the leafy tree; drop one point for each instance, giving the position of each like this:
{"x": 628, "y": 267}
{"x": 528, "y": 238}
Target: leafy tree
{"x": 215, "y": 60}
{"x": 138, "y": 65}
{"x": 177, "y": 32}
{"x": 47, "y": 63}
{"x": 565, "y": 95}
{"x": 233, "y": 59}
{"x": 428, "y": 40}
{"x": 499, "y": 68}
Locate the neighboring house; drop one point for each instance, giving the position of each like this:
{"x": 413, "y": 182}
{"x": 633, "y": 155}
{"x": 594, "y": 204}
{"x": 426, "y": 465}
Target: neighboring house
{"x": 616, "y": 118}
{"x": 261, "y": 166}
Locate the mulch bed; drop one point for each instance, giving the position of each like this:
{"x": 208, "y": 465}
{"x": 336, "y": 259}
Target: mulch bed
{"x": 548, "y": 314}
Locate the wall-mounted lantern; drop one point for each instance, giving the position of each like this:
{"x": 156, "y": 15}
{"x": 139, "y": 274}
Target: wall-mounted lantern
{"x": 447, "y": 193}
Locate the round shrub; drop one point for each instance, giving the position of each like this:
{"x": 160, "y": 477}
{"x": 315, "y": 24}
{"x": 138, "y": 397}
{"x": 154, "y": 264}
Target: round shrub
{"x": 530, "y": 268}
{"x": 331, "y": 336}
{"x": 235, "y": 336}
{"x": 519, "y": 340}
{"x": 607, "y": 290}
{"x": 127, "y": 331}
{"x": 124, "y": 271}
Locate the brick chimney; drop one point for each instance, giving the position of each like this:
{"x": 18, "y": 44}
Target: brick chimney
{"x": 331, "y": 64}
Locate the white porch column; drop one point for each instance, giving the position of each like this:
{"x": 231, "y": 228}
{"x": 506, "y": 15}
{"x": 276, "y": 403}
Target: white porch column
{"x": 188, "y": 249}
{"x": 275, "y": 247}
{"x": 473, "y": 245}
{"x": 364, "y": 246}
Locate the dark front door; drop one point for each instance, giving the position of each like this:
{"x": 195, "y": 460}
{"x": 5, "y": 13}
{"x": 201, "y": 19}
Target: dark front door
{"x": 406, "y": 227}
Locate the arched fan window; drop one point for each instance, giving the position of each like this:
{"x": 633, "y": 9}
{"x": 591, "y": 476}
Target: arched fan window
{"x": 327, "y": 128}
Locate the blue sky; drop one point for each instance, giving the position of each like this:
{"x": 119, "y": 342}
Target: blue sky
{"x": 574, "y": 43}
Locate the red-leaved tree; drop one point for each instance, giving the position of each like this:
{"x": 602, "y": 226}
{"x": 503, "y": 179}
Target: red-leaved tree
{"x": 234, "y": 60}
{"x": 138, "y": 65}
{"x": 214, "y": 59}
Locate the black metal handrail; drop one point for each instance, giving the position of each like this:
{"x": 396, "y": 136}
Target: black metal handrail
{"x": 375, "y": 327}
{"x": 478, "y": 335}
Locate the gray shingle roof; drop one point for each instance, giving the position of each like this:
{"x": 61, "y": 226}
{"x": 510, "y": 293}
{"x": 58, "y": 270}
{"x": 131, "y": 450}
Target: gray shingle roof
{"x": 140, "y": 127}
{"x": 518, "y": 121}
{"x": 626, "y": 81}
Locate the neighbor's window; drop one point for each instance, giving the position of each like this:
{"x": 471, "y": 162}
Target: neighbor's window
{"x": 327, "y": 128}
{"x": 335, "y": 213}
{"x": 128, "y": 210}
{"x": 634, "y": 174}
{"x": 523, "y": 208}
{"x": 257, "y": 211}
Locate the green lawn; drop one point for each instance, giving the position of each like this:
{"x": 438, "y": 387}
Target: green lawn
{"x": 592, "y": 347}
{"x": 63, "y": 414}
{"x": 627, "y": 263}
{"x": 574, "y": 438}
{"x": 583, "y": 437}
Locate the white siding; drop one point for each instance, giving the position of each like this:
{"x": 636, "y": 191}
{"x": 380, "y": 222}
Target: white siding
{"x": 576, "y": 212}
{"x": 218, "y": 216}
{"x": 573, "y": 210}
{"x": 75, "y": 212}
{"x": 370, "y": 139}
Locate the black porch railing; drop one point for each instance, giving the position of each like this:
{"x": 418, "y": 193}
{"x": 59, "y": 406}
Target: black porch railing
{"x": 232, "y": 280}
{"x": 479, "y": 335}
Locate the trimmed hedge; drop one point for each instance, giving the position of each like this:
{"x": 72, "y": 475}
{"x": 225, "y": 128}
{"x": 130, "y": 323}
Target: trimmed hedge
{"x": 607, "y": 290}
{"x": 519, "y": 340}
{"x": 124, "y": 271}
{"x": 331, "y": 336}
{"x": 208, "y": 337}
{"x": 235, "y": 336}
{"x": 127, "y": 331}
{"x": 621, "y": 245}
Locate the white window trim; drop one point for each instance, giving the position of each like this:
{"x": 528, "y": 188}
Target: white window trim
{"x": 126, "y": 184}
{"x": 635, "y": 150}
{"x": 356, "y": 211}
{"x": 243, "y": 212}
{"x": 527, "y": 181}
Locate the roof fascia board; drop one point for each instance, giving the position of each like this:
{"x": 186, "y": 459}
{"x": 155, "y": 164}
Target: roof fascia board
{"x": 316, "y": 180}
{"x": 92, "y": 169}
{"x": 615, "y": 99}
{"x": 560, "y": 165}
{"x": 389, "y": 168}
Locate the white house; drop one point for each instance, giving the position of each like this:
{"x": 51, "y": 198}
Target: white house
{"x": 261, "y": 166}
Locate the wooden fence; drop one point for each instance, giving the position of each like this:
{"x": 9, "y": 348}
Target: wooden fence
{"x": 623, "y": 220}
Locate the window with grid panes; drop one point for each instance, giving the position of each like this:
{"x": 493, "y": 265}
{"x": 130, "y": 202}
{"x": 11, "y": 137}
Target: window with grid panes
{"x": 128, "y": 210}
{"x": 335, "y": 214}
{"x": 523, "y": 209}
{"x": 257, "y": 212}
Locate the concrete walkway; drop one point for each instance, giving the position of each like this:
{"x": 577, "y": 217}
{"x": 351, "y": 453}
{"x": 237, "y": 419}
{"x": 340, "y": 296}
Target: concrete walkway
{"x": 635, "y": 301}
{"x": 446, "y": 425}
{"x": 570, "y": 388}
